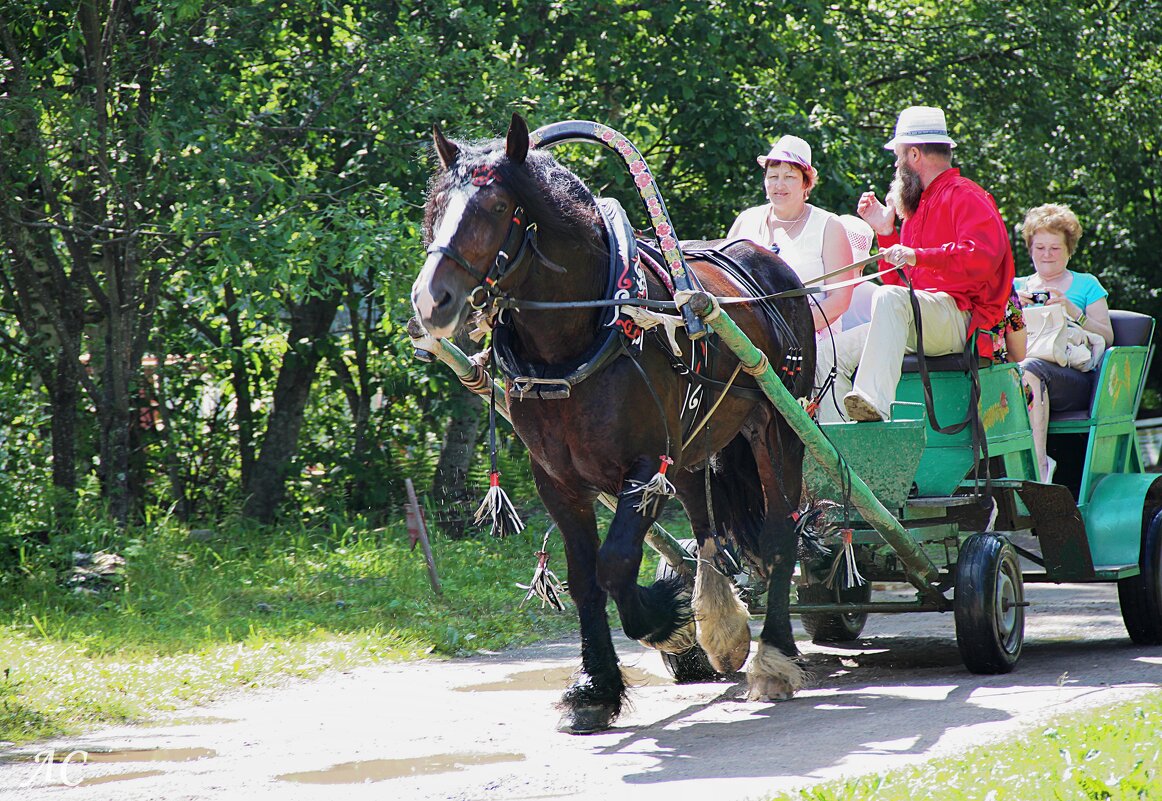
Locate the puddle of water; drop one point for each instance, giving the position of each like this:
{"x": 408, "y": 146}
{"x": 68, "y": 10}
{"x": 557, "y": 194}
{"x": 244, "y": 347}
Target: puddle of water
{"x": 558, "y": 679}
{"x": 377, "y": 770}
{"x": 119, "y": 777}
{"x": 148, "y": 755}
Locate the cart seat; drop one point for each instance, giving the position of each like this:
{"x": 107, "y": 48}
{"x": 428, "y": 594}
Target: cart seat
{"x": 1131, "y": 329}
{"x": 952, "y": 363}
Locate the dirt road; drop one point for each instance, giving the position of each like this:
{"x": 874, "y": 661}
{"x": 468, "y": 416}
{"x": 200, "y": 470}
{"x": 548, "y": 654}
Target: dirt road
{"x": 484, "y": 727}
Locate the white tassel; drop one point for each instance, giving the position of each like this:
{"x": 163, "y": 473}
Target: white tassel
{"x": 545, "y": 584}
{"x": 851, "y": 575}
{"x": 654, "y": 491}
{"x": 497, "y": 505}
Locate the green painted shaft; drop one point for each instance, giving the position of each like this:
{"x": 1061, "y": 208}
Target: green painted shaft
{"x": 922, "y": 573}
{"x": 656, "y": 537}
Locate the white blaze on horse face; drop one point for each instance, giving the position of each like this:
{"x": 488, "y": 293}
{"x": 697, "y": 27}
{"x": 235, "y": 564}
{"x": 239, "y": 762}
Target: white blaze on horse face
{"x": 423, "y": 296}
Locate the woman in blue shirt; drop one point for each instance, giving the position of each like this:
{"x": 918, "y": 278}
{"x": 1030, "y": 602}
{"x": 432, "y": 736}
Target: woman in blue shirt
{"x": 1051, "y": 233}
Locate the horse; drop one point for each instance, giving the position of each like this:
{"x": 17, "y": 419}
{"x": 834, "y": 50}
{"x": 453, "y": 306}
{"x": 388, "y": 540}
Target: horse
{"x": 615, "y": 428}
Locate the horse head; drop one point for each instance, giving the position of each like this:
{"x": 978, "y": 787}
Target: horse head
{"x": 468, "y": 217}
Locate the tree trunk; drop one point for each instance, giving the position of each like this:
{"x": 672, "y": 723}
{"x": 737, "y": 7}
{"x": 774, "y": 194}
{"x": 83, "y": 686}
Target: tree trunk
{"x": 240, "y": 378}
{"x": 455, "y": 501}
{"x": 114, "y": 412}
{"x": 310, "y": 323}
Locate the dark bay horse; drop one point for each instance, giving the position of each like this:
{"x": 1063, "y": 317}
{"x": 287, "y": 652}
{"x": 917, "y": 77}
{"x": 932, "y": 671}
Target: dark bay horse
{"x": 610, "y": 431}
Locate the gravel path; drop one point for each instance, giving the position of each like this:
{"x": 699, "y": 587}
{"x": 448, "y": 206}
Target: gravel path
{"x": 484, "y": 727}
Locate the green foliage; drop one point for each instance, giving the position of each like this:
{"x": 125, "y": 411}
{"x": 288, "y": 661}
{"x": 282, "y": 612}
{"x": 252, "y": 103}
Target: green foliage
{"x": 267, "y": 153}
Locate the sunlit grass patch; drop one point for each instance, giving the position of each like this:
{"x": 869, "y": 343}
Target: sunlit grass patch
{"x": 190, "y": 620}
{"x": 1113, "y": 753}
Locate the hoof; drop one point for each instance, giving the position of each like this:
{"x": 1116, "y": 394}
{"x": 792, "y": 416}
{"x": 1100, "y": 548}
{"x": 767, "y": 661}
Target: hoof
{"x": 727, "y": 646}
{"x": 772, "y": 676}
{"x": 769, "y": 688}
{"x": 679, "y": 642}
{"x": 586, "y": 720}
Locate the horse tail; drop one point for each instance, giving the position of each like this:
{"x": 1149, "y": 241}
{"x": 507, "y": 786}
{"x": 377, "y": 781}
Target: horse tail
{"x": 736, "y": 494}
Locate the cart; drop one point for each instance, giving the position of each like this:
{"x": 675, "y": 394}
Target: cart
{"x": 923, "y": 513}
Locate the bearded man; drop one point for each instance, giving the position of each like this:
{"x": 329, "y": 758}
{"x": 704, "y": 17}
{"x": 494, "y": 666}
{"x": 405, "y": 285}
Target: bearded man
{"x": 954, "y": 247}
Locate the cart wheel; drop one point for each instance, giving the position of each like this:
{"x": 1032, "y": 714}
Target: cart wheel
{"x": 990, "y": 617}
{"x": 691, "y": 666}
{"x": 1140, "y": 596}
{"x": 827, "y": 627}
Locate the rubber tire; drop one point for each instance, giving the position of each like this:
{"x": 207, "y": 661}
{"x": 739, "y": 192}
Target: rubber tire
{"x": 825, "y": 627}
{"x": 1140, "y": 596}
{"x": 693, "y": 665}
{"x": 987, "y": 576}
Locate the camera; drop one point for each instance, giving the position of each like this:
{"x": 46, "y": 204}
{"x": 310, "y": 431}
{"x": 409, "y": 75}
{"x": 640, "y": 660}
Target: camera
{"x": 1040, "y": 298}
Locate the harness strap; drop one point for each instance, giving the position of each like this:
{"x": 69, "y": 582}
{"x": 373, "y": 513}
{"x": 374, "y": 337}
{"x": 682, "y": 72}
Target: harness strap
{"x": 683, "y": 369}
{"x": 697, "y": 428}
{"x": 518, "y": 243}
{"x": 556, "y": 381}
{"x": 455, "y": 256}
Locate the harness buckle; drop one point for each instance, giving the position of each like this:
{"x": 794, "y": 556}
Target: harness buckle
{"x": 521, "y": 387}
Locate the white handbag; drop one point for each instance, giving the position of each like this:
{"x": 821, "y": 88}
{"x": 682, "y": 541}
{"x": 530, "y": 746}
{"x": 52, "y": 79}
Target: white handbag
{"x": 1055, "y": 338}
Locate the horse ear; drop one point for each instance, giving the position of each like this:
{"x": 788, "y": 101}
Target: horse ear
{"x": 445, "y": 147}
{"x": 517, "y": 147}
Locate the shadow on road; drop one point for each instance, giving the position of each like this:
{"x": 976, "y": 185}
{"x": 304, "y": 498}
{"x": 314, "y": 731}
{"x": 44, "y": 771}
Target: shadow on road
{"x": 883, "y": 696}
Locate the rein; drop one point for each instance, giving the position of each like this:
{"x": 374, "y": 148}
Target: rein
{"x": 671, "y": 305}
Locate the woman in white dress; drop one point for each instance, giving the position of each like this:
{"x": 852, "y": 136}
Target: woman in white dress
{"x": 812, "y": 241}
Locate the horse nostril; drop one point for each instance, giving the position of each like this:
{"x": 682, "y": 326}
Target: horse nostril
{"x": 443, "y": 299}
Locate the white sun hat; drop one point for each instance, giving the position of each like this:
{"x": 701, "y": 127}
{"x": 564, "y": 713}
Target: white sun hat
{"x": 920, "y": 125}
{"x": 791, "y": 149}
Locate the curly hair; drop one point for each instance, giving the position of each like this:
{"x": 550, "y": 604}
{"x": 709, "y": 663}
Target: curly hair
{"x": 1055, "y": 218}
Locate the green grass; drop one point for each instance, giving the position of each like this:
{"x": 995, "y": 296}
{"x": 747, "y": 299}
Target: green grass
{"x": 193, "y": 620}
{"x": 1115, "y": 754}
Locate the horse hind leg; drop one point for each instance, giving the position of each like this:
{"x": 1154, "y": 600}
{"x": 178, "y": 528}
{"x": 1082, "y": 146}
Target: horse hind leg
{"x": 772, "y": 675}
{"x": 722, "y": 620}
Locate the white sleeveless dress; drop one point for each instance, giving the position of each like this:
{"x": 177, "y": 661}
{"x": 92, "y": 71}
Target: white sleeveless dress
{"x": 803, "y": 253}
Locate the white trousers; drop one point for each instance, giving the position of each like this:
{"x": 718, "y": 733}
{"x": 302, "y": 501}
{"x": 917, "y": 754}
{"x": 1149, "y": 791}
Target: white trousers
{"x": 877, "y": 348}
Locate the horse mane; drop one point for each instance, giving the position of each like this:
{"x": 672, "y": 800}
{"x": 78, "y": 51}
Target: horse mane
{"x": 552, "y": 195}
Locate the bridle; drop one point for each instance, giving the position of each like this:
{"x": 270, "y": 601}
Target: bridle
{"x": 518, "y": 243}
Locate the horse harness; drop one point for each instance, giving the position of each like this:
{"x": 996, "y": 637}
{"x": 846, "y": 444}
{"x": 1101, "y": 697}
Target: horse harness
{"x": 619, "y": 335}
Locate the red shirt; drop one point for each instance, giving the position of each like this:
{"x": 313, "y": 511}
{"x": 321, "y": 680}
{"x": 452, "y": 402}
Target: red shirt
{"x": 962, "y": 248}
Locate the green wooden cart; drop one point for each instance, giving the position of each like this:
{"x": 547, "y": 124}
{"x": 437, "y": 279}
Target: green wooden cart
{"x": 1101, "y": 519}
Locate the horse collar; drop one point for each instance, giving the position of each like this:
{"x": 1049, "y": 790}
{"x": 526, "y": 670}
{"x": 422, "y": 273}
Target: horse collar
{"x": 620, "y": 335}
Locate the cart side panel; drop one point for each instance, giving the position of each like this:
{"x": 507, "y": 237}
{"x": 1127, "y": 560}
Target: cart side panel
{"x": 948, "y": 458}
{"x": 1113, "y": 516}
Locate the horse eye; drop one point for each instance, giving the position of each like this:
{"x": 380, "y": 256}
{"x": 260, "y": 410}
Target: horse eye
{"x": 500, "y": 207}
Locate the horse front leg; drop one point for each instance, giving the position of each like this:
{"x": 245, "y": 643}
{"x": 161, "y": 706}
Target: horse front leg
{"x": 721, "y": 619}
{"x": 772, "y": 675}
{"x": 594, "y": 699}
{"x": 657, "y": 616}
